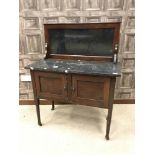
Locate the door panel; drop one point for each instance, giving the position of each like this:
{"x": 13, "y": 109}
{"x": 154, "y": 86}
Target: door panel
{"x": 51, "y": 85}
{"x": 90, "y": 90}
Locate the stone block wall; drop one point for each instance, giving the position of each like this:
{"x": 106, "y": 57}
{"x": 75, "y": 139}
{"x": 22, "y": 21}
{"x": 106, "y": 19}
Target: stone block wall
{"x": 34, "y": 13}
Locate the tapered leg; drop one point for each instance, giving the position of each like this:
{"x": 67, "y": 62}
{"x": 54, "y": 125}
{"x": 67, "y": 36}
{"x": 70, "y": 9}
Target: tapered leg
{"x": 53, "y": 105}
{"x": 108, "y": 123}
{"x": 38, "y": 111}
{"x": 37, "y": 102}
{"x": 110, "y": 106}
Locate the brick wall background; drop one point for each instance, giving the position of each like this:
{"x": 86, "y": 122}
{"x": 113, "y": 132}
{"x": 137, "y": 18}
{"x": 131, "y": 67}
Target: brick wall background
{"x": 35, "y": 13}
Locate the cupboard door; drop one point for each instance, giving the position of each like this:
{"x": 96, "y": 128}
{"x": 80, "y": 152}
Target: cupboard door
{"x": 90, "y": 90}
{"x": 51, "y": 85}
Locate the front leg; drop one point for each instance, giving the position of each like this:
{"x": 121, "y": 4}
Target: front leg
{"x": 108, "y": 123}
{"x": 53, "y": 105}
{"x": 110, "y": 106}
{"x": 37, "y": 101}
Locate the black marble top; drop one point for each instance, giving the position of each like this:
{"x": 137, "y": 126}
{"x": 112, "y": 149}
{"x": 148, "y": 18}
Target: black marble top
{"x": 77, "y": 67}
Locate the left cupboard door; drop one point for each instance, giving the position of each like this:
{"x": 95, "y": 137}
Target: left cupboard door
{"x": 51, "y": 85}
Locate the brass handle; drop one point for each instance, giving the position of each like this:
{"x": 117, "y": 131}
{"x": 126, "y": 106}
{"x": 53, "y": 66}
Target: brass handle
{"x": 115, "y": 58}
{"x": 73, "y": 89}
{"x": 65, "y": 87}
{"x": 45, "y": 47}
{"x": 115, "y": 54}
{"x": 116, "y": 47}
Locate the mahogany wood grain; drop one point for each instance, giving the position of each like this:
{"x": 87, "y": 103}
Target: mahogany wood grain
{"x": 30, "y": 102}
{"x": 90, "y": 90}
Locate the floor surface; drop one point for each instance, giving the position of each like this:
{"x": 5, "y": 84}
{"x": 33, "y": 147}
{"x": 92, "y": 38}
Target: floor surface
{"x": 76, "y": 130}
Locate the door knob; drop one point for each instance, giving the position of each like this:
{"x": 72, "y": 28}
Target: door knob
{"x": 73, "y": 89}
{"x": 116, "y": 47}
{"x": 65, "y": 87}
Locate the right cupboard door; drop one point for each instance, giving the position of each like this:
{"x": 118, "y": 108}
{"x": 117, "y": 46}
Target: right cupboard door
{"x": 90, "y": 90}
